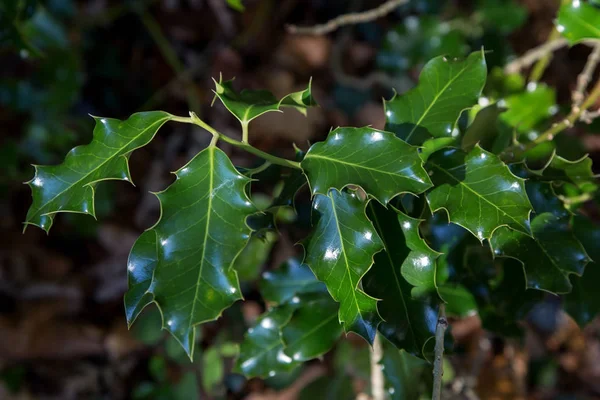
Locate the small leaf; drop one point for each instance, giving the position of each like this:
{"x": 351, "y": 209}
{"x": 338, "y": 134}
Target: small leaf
{"x": 377, "y": 161}
{"x": 548, "y": 258}
{"x": 578, "y": 21}
{"x": 446, "y": 88}
{"x": 432, "y": 145}
{"x": 301, "y": 100}
{"x": 261, "y": 352}
{"x": 478, "y": 191}
{"x": 483, "y": 129}
{"x": 459, "y": 300}
{"x": 408, "y": 323}
{"x": 291, "y": 279}
{"x": 583, "y": 303}
{"x": 291, "y": 185}
{"x": 236, "y": 5}
{"x": 527, "y": 109}
{"x": 419, "y": 267}
{"x": 69, "y": 187}
{"x": 201, "y": 231}
{"x": 313, "y": 328}
{"x": 340, "y": 251}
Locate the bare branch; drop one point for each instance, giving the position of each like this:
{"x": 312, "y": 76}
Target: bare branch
{"x": 583, "y": 80}
{"x": 348, "y": 19}
{"x": 377, "y": 380}
{"x": 534, "y": 54}
{"x": 438, "y": 362}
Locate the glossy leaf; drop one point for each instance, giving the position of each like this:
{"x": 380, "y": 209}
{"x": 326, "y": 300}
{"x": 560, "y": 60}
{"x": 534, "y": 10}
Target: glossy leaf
{"x": 544, "y": 200}
{"x": 340, "y": 251}
{"x": 445, "y": 89}
{"x": 578, "y": 20}
{"x": 478, "y": 191}
{"x": 583, "y": 303}
{"x": 408, "y": 323}
{"x": 549, "y": 257}
{"x": 261, "y": 352}
{"x": 432, "y": 145}
{"x": 291, "y": 185}
{"x": 142, "y": 259}
{"x": 290, "y": 279}
{"x": 419, "y": 267}
{"x": 313, "y": 328}
{"x": 377, "y": 161}
{"x": 527, "y": 109}
{"x": 201, "y": 231}
{"x": 69, "y": 187}
{"x": 249, "y": 104}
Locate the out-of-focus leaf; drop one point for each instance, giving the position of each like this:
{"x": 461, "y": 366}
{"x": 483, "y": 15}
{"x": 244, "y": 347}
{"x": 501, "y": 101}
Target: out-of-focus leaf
{"x": 313, "y": 328}
{"x": 212, "y": 369}
{"x": 69, "y": 187}
{"x": 527, "y": 109}
{"x": 446, "y": 88}
{"x": 236, "y": 5}
{"x": 459, "y": 300}
{"x": 408, "y": 323}
{"x": 187, "y": 387}
{"x": 147, "y": 330}
{"x": 483, "y": 130}
{"x": 338, "y": 387}
{"x": 249, "y": 263}
{"x": 406, "y": 376}
{"x": 291, "y": 185}
{"x": 583, "y": 303}
{"x": 478, "y": 192}
{"x": 291, "y": 279}
{"x": 505, "y": 16}
{"x": 262, "y": 351}
{"x": 340, "y": 251}
{"x": 193, "y": 281}
{"x": 377, "y": 161}
{"x": 549, "y": 257}
{"x": 578, "y": 20}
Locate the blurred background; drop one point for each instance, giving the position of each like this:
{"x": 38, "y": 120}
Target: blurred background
{"x": 62, "y": 326}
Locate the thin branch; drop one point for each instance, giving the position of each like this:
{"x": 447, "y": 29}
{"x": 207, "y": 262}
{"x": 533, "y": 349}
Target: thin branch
{"x": 589, "y": 116}
{"x": 348, "y": 19}
{"x": 377, "y": 380}
{"x": 583, "y": 80}
{"x": 438, "y": 362}
{"x": 534, "y": 55}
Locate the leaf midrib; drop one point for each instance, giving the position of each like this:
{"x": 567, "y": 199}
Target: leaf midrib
{"x": 358, "y": 166}
{"x": 311, "y": 331}
{"x": 117, "y": 154}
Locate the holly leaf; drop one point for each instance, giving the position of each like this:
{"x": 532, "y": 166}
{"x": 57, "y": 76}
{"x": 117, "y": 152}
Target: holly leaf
{"x": 483, "y": 130}
{"x": 70, "y": 186}
{"x": 313, "y": 329}
{"x": 291, "y": 279}
{"x": 262, "y": 350}
{"x": 140, "y": 269}
{"x": 291, "y": 185}
{"x": 460, "y": 302}
{"x": 419, "y": 267}
{"x": 236, "y": 5}
{"x": 583, "y": 303}
{"x": 377, "y": 161}
{"x": 340, "y": 251}
{"x": 544, "y": 200}
{"x": 250, "y": 104}
{"x": 549, "y": 257}
{"x": 201, "y": 231}
{"x": 578, "y": 20}
{"x": 478, "y": 192}
{"x": 408, "y": 323}
{"x": 527, "y": 109}
{"x": 446, "y": 88}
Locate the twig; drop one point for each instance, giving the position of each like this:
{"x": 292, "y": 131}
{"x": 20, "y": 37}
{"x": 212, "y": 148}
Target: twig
{"x": 348, "y": 19}
{"x": 583, "y": 80}
{"x": 589, "y": 116}
{"x": 540, "y": 66}
{"x": 438, "y": 362}
{"x": 533, "y": 55}
{"x": 377, "y": 380}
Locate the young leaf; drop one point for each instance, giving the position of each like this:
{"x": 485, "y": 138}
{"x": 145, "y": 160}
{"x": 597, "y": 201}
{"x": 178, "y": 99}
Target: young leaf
{"x": 69, "y": 187}
{"x": 261, "y": 352}
{"x": 578, "y": 20}
{"x": 377, "y": 161}
{"x": 292, "y": 278}
{"x": 549, "y": 257}
{"x": 419, "y": 267}
{"x": 478, "y": 192}
{"x": 446, "y": 88}
{"x": 340, "y": 251}
{"x": 313, "y": 328}
{"x": 408, "y": 323}
{"x": 201, "y": 231}
{"x": 529, "y": 108}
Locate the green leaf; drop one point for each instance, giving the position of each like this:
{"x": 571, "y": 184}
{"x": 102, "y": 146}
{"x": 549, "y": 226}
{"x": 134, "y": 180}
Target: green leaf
{"x": 249, "y": 104}
{"x": 446, "y": 88}
{"x": 578, "y": 172}
{"x": 459, "y": 300}
{"x": 408, "y": 323}
{"x": 483, "y": 130}
{"x": 212, "y": 369}
{"x": 313, "y": 328}
{"x": 578, "y": 21}
{"x": 201, "y": 231}
{"x": 291, "y": 185}
{"x": 478, "y": 192}
{"x": 142, "y": 262}
{"x": 69, "y": 187}
{"x": 506, "y": 16}
{"x": 406, "y": 376}
{"x": 583, "y": 303}
{"x": 262, "y": 351}
{"x": 340, "y": 251}
{"x": 338, "y": 387}
{"x": 377, "y": 161}
{"x": 432, "y": 145}
{"x": 544, "y": 200}
{"x": 527, "y": 109}
{"x": 549, "y": 257}
{"x": 291, "y": 279}
{"x": 419, "y": 267}
{"x": 236, "y": 5}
